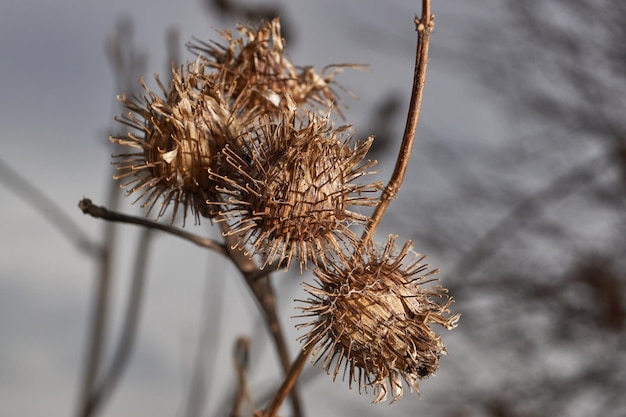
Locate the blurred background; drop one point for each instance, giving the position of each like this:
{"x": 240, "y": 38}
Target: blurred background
{"x": 516, "y": 191}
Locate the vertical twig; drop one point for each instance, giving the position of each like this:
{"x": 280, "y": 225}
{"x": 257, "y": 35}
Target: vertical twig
{"x": 97, "y": 326}
{"x": 125, "y": 66}
{"x": 424, "y": 27}
{"x": 241, "y": 357}
{"x": 208, "y": 338}
{"x": 129, "y": 331}
{"x": 261, "y": 287}
{"x": 288, "y": 383}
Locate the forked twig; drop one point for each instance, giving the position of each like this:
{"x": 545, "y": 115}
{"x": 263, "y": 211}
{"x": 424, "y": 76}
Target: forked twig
{"x": 424, "y": 26}
{"x": 259, "y": 284}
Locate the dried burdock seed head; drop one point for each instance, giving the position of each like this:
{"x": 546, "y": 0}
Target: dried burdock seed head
{"x": 372, "y": 314}
{"x": 179, "y": 137}
{"x": 288, "y": 192}
{"x": 256, "y": 66}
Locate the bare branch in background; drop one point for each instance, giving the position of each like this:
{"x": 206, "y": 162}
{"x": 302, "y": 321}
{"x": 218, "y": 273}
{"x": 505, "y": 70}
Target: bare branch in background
{"x": 121, "y": 356}
{"x": 202, "y": 372}
{"x": 536, "y": 288}
{"x": 127, "y": 64}
{"x": 48, "y": 208}
{"x": 381, "y": 124}
{"x": 241, "y": 399}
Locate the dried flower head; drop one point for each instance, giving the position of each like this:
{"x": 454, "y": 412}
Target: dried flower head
{"x": 373, "y": 314}
{"x": 182, "y": 132}
{"x": 289, "y": 190}
{"x": 256, "y": 66}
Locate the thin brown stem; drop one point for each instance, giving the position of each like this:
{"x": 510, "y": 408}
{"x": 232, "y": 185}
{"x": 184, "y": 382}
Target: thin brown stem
{"x": 288, "y": 383}
{"x": 424, "y": 27}
{"x": 126, "y": 342}
{"x": 96, "y": 343}
{"x": 103, "y": 213}
{"x": 260, "y": 284}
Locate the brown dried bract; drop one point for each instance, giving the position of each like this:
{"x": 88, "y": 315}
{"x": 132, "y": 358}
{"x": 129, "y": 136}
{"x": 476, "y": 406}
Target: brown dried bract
{"x": 209, "y": 107}
{"x": 257, "y": 67}
{"x": 372, "y": 314}
{"x": 290, "y": 189}
{"x": 181, "y": 133}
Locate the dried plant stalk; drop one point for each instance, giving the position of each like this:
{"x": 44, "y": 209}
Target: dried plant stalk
{"x": 244, "y": 137}
{"x": 424, "y": 27}
{"x": 370, "y": 310}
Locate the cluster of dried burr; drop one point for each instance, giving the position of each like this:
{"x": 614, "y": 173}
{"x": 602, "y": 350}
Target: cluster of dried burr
{"x": 243, "y": 137}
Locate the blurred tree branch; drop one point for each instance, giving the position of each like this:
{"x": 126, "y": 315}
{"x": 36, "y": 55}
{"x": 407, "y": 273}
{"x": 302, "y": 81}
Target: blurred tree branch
{"x": 544, "y": 290}
{"x": 48, "y": 208}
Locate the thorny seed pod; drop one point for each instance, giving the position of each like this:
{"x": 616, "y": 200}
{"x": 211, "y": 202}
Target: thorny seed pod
{"x": 288, "y": 195}
{"x": 373, "y": 313}
{"x": 257, "y": 68}
{"x": 182, "y": 133}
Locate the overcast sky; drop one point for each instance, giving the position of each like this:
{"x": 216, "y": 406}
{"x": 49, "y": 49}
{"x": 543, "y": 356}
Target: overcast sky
{"x": 56, "y": 102}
